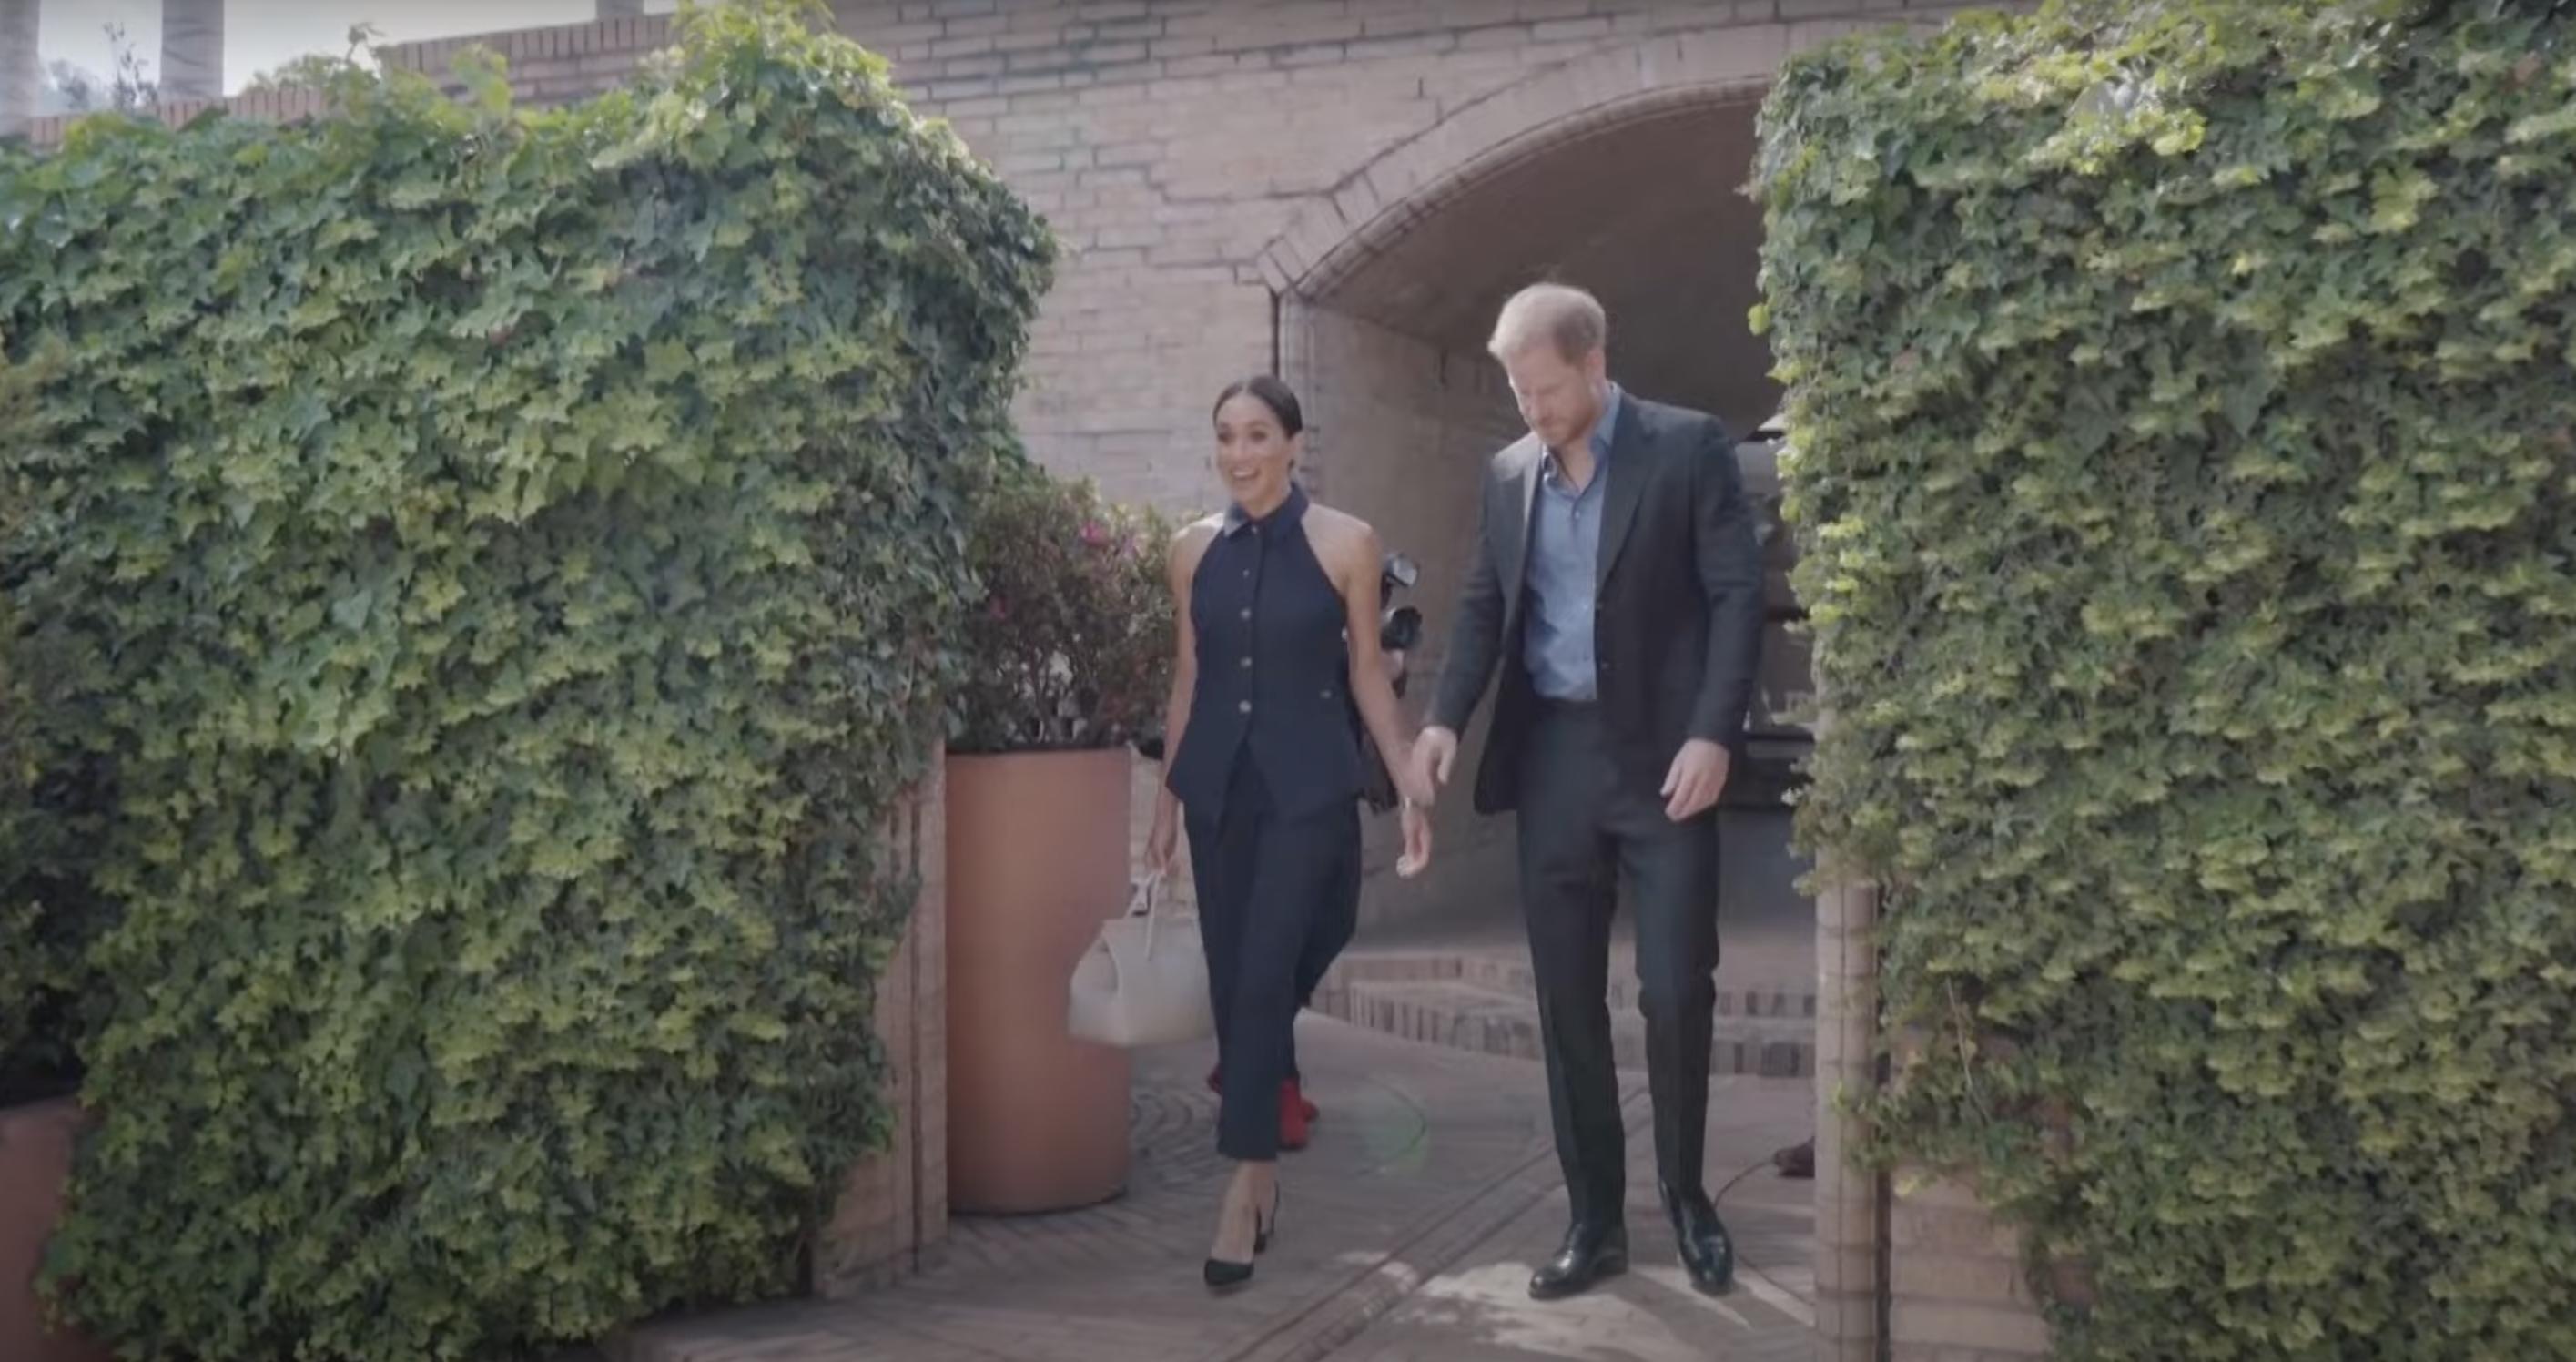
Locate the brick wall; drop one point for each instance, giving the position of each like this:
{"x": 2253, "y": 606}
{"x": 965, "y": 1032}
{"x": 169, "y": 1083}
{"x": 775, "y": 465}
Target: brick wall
{"x": 556, "y": 65}
{"x": 1910, "y": 1268}
{"x": 22, "y": 69}
{"x": 1851, "y": 1213}
{"x": 1173, "y": 142}
{"x": 1199, "y": 158}
{"x": 1956, "y": 1288}
{"x": 1403, "y": 428}
{"x": 891, "y": 1217}
{"x": 275, "y": 106}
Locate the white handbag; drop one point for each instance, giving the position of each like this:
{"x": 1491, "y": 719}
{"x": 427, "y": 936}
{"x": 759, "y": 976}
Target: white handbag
{"x": 1144, "y": 979}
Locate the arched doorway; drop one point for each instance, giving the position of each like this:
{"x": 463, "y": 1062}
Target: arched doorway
{"x": 1641, "y": 202}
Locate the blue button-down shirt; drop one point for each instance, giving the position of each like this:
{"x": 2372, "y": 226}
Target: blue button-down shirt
{"x": 1564, "y": 567}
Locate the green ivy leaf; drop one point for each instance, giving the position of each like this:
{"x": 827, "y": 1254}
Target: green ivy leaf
{"x": 2196, "y": 647}
{"x": 477, "y": 602}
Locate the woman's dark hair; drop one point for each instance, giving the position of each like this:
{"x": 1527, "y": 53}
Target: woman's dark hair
{"x": 1277, "y": 396}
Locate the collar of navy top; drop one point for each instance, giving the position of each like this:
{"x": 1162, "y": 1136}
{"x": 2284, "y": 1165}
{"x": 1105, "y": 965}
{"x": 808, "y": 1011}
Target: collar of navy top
{"x": 1604, "y": 431}
{"x": 1285, "y": 513}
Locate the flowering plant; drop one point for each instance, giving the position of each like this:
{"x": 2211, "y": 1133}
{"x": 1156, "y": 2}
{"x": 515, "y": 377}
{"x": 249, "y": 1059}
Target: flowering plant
{"x": 1070, "y": 646}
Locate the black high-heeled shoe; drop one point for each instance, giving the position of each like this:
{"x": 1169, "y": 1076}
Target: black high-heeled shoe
{"x": 1262, "y": 1230}
{"x": 1221, "y": 1275}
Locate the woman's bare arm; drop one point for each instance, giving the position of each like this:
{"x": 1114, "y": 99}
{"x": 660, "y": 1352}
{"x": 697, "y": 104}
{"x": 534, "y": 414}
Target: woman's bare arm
{"x": 1180, "y": 566}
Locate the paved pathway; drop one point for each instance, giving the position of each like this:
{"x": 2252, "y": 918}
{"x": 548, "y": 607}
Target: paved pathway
{"x": 1407, "y": 1232}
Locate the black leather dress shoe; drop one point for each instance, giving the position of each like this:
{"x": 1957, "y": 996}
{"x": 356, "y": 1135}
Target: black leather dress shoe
{"x": 1591, "y": 1252}
{"x": 1707, "y": 1253}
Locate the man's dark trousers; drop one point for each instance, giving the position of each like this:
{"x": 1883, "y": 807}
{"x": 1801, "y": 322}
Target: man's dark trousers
{"x": 1582, "y": 832}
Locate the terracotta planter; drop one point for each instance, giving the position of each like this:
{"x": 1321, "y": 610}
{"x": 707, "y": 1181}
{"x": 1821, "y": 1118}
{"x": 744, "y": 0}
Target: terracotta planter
{"x": 1037, "y": 858}
{"x": 35, "y": 1162}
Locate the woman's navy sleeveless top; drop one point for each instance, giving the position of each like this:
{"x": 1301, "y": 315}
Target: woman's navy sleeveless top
{"x": 1271, "y": 661}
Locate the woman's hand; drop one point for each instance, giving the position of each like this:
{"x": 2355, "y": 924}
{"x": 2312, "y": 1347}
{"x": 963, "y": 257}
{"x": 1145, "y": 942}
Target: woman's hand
{"x": 1162, "y": 844}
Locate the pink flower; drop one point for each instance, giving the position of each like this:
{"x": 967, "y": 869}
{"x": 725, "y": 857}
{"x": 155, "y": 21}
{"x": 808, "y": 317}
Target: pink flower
{"x": 1094, "y": 533}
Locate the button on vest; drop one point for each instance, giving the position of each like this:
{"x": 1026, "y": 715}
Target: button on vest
{"x": 1271, "y": 656}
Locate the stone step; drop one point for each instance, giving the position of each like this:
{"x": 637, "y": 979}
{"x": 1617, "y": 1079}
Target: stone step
{"x": 1510, "y": 973}
{"x": 1470, "y": 1009}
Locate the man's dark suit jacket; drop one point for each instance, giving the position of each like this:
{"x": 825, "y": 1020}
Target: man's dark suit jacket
{"x": 1678, "y": 622}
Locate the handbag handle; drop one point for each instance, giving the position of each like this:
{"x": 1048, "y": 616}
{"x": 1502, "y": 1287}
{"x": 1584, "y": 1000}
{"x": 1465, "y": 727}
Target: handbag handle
{"x": 1140, "y": 903}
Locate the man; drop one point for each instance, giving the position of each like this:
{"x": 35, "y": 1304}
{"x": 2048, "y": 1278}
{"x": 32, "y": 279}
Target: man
{"x": 1618, "y": 587}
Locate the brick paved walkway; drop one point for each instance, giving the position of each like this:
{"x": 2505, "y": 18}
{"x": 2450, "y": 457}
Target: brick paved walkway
{"x": 1407, "y": 1232}
{"x": 1479, "y": 1310}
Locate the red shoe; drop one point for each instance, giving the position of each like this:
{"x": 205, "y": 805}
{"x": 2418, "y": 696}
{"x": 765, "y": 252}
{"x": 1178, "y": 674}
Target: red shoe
{"x": 1294, "y": 1113}
{"x": 1305, "y": 1108}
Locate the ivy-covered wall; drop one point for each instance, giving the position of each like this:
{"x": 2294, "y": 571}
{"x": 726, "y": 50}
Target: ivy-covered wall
{"x": 521, "y": 546}
{"x": 2185, "y": 473}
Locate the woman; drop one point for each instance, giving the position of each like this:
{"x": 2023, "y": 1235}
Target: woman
{"x": 1277, "y": 603}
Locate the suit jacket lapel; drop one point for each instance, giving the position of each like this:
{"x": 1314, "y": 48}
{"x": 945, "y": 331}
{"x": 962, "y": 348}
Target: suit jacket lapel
{"x": 1516, "y": 561}
{"x": 1627, "y": 473}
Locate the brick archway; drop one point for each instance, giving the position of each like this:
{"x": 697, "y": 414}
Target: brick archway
{"x": 1619, "y": 170}
{"x": 1331, "y": 233}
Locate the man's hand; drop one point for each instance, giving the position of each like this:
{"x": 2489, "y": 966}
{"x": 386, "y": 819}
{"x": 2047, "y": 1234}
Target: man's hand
{"x": 1698, "y": 777}
{"x": 1417, "y": 841}
{"x": 1435, "y": 751}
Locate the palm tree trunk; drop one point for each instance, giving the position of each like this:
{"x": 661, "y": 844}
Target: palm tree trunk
{"x": 192, "y": 49}
{"x": 22, "y": 72}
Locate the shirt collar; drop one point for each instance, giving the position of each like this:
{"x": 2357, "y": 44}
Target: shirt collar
{"x": 1287, "y": 512}
{"x": 1607, "y": 428}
